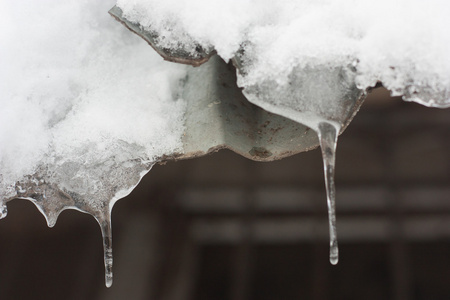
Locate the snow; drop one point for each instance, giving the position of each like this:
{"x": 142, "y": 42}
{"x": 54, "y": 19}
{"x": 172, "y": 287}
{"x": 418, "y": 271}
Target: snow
{"x": 404, "y": 44}
{"x": 82, "y": 101}
{"x": 77, "y": 89}
{"x": 87, "y": 108}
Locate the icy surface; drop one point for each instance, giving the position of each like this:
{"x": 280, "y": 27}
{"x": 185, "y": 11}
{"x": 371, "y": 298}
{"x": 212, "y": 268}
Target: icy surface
{"x": 80, "y": 97}
{"x": 85, "y": 109}
{"x": 404, "y": 44}
{"x": 311, "y": 95}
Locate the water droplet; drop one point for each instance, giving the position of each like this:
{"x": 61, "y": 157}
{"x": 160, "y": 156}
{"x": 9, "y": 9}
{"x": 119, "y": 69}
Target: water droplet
{"x": 328, "y": 133}
{"x": 3, "y": 210}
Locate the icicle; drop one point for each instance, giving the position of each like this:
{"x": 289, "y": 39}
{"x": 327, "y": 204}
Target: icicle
{"x": 105, "y": 225}
{"x": 328, "y": 133}
{"x": 51, "y": 220}
{"x": 3, "y": 210}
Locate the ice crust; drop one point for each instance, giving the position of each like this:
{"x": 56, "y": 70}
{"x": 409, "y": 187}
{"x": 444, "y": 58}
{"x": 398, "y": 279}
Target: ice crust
{"x": 404, "y": 44}
{"x": 85, "y": 106}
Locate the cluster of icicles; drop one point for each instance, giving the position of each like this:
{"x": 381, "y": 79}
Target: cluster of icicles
{"x": 50, "y": 200}
{"x": 327, "y": 131}
{"x": 103, "y": 218}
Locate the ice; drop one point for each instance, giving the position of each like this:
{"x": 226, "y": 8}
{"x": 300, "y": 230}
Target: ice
{"x": 323, "y": 99}
{"x": 80, "y": 97}
{"x": 328, "y": 135}
{"x": 404, "y": 45}
{"x": 3, "y": 211}
{"x": 311, "y": 61}
{"x": 106, "y": 227}
{"x": 86, "y": 109}
{"x": 309, "y": 95}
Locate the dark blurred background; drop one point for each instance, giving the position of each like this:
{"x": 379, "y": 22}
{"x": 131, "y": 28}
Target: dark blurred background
{"x": 224, "y": 227}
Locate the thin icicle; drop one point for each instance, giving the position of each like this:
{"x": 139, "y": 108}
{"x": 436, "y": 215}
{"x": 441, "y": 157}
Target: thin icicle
{"x": 328, "y": 133}
{"x": 105, "y": 225}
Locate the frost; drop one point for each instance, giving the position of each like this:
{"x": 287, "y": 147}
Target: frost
{"x": 404, "y": 45}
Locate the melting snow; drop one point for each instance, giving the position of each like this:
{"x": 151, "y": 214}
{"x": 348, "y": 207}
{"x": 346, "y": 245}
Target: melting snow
{"x": 87, "y": 107}
{"x": 80, "y": 96}
{"x": 404, "y": 44}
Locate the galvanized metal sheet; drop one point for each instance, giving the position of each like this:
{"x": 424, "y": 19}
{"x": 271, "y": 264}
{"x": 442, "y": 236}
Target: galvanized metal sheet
{"x": 219, "y": 116}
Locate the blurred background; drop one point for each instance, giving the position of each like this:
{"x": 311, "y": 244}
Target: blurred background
{"x": 224, "y": 227}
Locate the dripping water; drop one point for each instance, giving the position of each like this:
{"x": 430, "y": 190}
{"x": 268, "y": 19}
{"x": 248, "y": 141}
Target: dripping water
{"x": 328, "y": 133}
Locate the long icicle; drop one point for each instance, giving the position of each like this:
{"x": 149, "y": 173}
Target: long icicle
{"x": 328, "y": 133}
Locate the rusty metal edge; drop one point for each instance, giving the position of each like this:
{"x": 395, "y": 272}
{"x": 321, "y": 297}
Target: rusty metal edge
{"x": 178, "y": 156}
